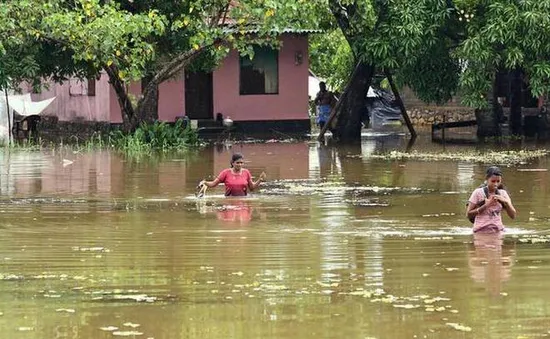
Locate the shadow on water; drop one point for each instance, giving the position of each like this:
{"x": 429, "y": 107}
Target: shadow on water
{"x": 337, "y": 243}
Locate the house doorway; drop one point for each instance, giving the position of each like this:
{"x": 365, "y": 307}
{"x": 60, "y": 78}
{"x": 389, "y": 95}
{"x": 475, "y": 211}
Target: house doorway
{"x": 199, "y": 97}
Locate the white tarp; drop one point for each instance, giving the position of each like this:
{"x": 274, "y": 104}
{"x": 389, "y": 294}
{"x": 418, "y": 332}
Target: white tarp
{"x": 24, "y": 106}
{"x": 20, "y": 105}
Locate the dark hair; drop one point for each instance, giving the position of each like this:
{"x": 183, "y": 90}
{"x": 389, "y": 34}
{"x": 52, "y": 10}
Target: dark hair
{"x": 493, "y": 170}
{"x": 235, "y": 157}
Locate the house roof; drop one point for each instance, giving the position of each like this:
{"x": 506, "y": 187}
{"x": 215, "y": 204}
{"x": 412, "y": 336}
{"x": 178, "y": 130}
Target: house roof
{"x": 276, "y": 31}
{"x": 289, "y": 30}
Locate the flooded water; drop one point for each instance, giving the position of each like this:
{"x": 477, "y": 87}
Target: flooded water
{"x": 336, "y": 244}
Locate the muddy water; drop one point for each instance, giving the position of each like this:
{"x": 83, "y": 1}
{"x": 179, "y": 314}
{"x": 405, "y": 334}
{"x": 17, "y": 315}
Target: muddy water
{"x": 336, "y": 245}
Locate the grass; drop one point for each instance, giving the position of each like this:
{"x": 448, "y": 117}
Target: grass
{"x": 147, "y": 139}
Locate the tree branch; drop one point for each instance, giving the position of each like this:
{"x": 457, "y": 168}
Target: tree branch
{"x": 176, "y": 65}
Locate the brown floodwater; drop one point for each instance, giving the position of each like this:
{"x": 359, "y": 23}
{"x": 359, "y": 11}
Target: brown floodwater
{"x": 335, "y": 244}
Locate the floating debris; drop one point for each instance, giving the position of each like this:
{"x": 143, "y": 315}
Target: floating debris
{"x": 132, "y": 325}
{"x": 534, "y": 239}
{"x": 459, "y": 327}
{"x": 406, "y": 306}
{"x": 502, "y": 157}
{"x": 532, "y": 170}
{"x": 11, "y": 277}
{"x": 91, "y": 249}
{"x": 25, "y": 329}
{"x": 127, "y": 333}
{"x": 67, "y": 310}
{"x": 109, "y": 328}
{"x": 135, "y": 297}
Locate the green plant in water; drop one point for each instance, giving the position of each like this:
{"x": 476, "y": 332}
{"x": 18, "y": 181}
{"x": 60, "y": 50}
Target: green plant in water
{"x": 159, "y": 136}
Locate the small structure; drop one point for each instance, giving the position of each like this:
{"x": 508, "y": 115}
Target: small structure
{"x": 266, "y": 93}
{"x": 19, "y": 115}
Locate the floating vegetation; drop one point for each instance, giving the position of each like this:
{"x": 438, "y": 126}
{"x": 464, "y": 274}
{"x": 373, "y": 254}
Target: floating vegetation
{"x": 308, "y": 187}
{"x": 535, "y": 239}
{"x": 459, "y": 327}
{"x": 25, "y": 329}
{"x": 127, "y": 297}
{"x": 500, "y": 157}
{"x": 109, "y": 328}
{"x": 90, "y": 249}
{"x": 127, "y": 333}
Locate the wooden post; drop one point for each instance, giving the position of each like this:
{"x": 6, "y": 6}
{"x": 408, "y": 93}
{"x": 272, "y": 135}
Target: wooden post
{"x": 401, "y": 105}
{"x": 331, "y": 116}
{"x": 8, "y": 115}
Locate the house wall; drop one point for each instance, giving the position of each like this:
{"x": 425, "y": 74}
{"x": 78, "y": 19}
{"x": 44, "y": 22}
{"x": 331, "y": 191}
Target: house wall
{"x": 171, "y": 99}
{"x": 73, "y": 103}
{"x": 290, "y": 103}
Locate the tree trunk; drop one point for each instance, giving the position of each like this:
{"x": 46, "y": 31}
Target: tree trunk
{"x": 351, "y": 105}
{"x": 516, "y": 84}
{"x": 126, "y": 107}
{"x": 488, "y": 120}
{"x": 147, "y": 108}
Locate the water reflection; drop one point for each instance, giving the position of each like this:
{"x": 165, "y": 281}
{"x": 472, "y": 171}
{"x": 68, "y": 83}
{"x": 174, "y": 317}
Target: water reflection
{"x": 120, "y": 241}
{"x": 491, "y": 261}
{"x": 236, "y": 212}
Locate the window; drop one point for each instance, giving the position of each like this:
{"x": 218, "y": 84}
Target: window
{"x": 91, "y": 87}
{"x": 79, "y": 87}
{"x": 260, "y": 75}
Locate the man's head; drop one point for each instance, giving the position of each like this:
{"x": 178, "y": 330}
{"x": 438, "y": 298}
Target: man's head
{"x": 322, "y": 86}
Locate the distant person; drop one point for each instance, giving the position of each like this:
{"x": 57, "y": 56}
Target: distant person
{"x": 325, "y": 101}
{"x": 487, "y": 202}
{"x": 238, "y": 180}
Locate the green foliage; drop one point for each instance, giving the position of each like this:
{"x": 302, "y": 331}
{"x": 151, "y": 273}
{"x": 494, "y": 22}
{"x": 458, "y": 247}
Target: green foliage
{"x": 331, "y": 58}
{"x": 132, "y": 40}
{"x": 505, "y": 35}
{"x": 159, "y": 136}
{"x": 434, "y": 76}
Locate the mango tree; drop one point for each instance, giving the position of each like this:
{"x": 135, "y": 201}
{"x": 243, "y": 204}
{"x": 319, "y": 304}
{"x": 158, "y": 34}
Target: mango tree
{"x": 135, "y": 40}
{"x": 439, "y": 48}
{"x": 385, "y": 36}
{"x": 504, "y": 35}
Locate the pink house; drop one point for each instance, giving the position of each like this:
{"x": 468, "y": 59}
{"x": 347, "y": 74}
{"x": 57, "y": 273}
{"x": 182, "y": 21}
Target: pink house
{"x": 268, "y": 92}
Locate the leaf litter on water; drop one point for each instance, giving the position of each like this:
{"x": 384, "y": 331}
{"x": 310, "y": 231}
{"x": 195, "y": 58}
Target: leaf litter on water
{"x": 495, "y": 157}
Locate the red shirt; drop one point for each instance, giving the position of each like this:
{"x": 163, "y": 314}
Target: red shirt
{"x": 236, "y": 184}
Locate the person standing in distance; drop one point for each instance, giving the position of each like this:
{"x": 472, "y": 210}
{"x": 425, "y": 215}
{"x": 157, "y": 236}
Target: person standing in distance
{"x": 325, "y": 101}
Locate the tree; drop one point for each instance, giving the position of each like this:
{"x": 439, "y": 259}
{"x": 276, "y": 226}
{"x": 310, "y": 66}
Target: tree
{"x": 439, "y": 48}
{"x": 135, "y": 40}
{"x": 383, "y": 35}
{"x": 510, "y": 35}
